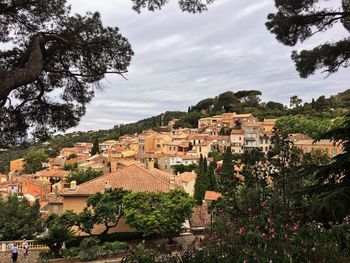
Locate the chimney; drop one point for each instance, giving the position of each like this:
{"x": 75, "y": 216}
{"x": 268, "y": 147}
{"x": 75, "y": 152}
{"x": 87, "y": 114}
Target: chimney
{"x": 73, "y": 185}
{"x": 150, "y": 164}
{"x": 107, "y": 186}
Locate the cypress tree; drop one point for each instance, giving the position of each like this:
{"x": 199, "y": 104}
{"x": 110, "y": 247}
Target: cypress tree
{"x": 212, "y": 181}
{"x": 95, "y": 147}
{"x": 200, "y": 184}
{"x": 228, "y": 181}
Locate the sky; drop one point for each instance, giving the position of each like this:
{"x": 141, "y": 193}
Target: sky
{"x": 182, "y": 58}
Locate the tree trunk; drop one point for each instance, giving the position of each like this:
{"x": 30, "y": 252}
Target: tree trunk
{"x": 28, "y": 72}
{"x": 170, "y": 240}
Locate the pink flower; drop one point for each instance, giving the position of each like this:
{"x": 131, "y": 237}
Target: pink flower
{"x": 272, "y": 237}
{"x": 269, "y": 220}
{"x": 241, "y": 230}
{"x": 249, "y": 209}
{"x": 263, "y": 234}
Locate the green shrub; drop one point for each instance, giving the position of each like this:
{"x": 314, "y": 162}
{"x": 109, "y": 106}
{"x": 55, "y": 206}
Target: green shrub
{"x": 115, "y": 247}
{"x": 70, "y": 253}
{"x": 89, "y": 249}
{"x": 45, "y": 256}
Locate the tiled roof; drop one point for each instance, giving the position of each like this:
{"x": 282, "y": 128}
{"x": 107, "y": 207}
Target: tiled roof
{"x": 134, "y": 178}
{"x": 52, "y": 173}
{"x": 187, "y": 177}
{"x": 237, "y": 132}
{"x": 211, "y": 196}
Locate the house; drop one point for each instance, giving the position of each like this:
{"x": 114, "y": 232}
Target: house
{"x": 179, "y": 147}
{"x": 133, "y": 178}
{"x": 188, "y": 180}
{"x": 269, "y": 125}
{"x": 96, "y": 162}
{"x": 26, "y": 186}
{"x": 237, "y": 141}
{"x": 325, "y": 146}
{"x": 104, "y": 146}
{"x": 17, "y": 166}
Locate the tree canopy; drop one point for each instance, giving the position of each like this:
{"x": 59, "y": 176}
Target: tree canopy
{"x": 158, "y": 213}
{"x": 299, "y": 20}
{"x": 53, "y": 65}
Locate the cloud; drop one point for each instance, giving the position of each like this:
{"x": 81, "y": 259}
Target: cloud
{"x": 182, "y": 58}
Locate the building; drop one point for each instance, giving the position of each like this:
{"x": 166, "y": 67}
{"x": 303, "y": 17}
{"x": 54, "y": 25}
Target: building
{"x": 133, "y": 178}
{"x": 188, "y": 179}
{"x": 17, "y": 166}
{"x": 325, "y": 146}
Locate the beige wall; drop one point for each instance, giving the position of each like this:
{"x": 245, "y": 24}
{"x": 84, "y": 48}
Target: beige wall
{"x": 77, "y": 204}
{"x": 189, "y": 187}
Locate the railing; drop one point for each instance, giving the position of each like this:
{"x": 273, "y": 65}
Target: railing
{"x": 33, "y": 245}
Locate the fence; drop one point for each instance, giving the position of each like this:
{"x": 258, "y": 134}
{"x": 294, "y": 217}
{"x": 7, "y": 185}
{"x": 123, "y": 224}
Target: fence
{"x": 33, "y": 245}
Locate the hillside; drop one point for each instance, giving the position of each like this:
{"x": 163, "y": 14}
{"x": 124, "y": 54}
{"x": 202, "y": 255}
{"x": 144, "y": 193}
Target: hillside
{"x": 316, "y": 113}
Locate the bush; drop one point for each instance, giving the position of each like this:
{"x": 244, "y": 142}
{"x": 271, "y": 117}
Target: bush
{"x": 89, "y": 249}
{"x": 115, "y": 247}
{"x": 70, "y": 253}
{"x": 263, "y": 238}
{"x": 45, "y": 256}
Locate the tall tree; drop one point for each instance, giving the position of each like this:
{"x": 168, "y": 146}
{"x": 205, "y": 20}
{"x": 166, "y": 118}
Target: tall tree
{"x": 200, "y": 185}
{"x": 53, "y": 65}
{"x": 331, "y": 194}
{"x": 299, "y": 20}
{"x": 229, "y": 182}
{"x": 95, "y": 147}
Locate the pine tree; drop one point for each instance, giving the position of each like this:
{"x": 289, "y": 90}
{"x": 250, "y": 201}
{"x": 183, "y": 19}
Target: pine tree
{"x": 331, "y": 194}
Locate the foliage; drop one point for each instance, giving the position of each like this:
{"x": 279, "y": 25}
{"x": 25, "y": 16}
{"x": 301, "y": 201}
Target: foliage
{"x": 158, "y": 213}
{"x": 330, "y": 193}
{"x": 83, "y": 175}
{"x": 311, "y": 127}
{"x": 265, "y": 238}
{"x": 201, "y": 183}
{"x": 33, "y": 161}
{"x": 52, "y": 50}
{"x": 115, "y": 247}
{"x": 89, "y": 249}
{"x": 70, "y": 253}
{"x": 58, "y": 233}
{"x": 180, "y": 168}
{"x": 297, "y": 21}
{"x": 102, "y": 208}
{"x": 19, "y": 219}
{"x": 95, "y": 147}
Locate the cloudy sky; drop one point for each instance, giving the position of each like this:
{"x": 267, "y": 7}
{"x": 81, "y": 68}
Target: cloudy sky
{"x": 182, "y": 58}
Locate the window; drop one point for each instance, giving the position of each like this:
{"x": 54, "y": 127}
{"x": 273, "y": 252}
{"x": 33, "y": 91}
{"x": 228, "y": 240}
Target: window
{"x": 165, "y": 166}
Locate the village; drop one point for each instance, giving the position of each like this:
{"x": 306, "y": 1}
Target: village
{"x": 146, "y": 162}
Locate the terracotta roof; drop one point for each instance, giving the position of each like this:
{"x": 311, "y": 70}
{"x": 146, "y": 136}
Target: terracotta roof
{"x": 187, "y": 177}
{"x": 237, "y": 132}
{"x": 211, "y": 196}
{"x": 52, "y": 173}
{"x": 134, "y": 178}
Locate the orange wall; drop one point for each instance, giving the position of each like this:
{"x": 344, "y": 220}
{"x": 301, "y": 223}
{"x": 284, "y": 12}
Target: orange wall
{"x": 16, "y": 165}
